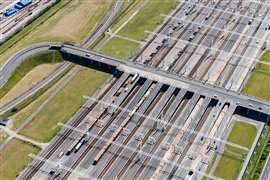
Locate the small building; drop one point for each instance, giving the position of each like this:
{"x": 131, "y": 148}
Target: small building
{"x": 10, "y": 12}
{"x": 22, "y": 4}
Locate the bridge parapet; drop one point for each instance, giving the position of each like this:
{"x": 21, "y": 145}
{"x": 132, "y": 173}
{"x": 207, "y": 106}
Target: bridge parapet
{"x": 222, "y": 94}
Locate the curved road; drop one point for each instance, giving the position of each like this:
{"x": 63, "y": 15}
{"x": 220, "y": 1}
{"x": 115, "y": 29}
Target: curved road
{"x": 104, "y": 25}
{"x": 13, "y": 62}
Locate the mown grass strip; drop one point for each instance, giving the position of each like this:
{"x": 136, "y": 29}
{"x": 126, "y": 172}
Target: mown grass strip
{"x": 14, "y": 158}
{"x": 233, "y": 158}
{"x": 148, "y": 18}
{"x": 242, "y": 134}
{"x": 64, "y": 105}
{"x": 32, "y": 98}
{"x": 229, "y": 166}
{"x": 27, "y": 65}
{"x": 258, "y": 158}
{"x": 259, "y": 83}
{"x": 69, "y": 100}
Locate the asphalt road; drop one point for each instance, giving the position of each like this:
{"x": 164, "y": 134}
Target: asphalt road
{"x": 12, "y": 63}
{"x": 158, "y": 75}
{"x": 172, "y": 79}
{"x": 105, "y": 24}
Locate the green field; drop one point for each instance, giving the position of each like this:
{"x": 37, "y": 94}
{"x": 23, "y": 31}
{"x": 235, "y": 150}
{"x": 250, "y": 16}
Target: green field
{"x": 146, "y": 20}
{"x": 242, "y": 134}
{"x": 233, "y": 158}
{"x": 64, "y": 105}
{"x": 116, "y": 45}
{"x": 19, "y": 117}
{"x": 229, "y": 166}
{"x": 27, "y": 65}
{"x": 259, "y": 157}
{"x": 259, "y": 83}
{"x": 68, "y": 101}
{"x": 14, "y": 158}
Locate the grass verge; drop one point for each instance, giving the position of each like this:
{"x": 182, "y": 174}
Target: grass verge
{"x": 148, "y": 18}
{"x": 27, "y": 65}
{"x": 32, "y": 98}
{"x": 64, "y": 105}
{"x": 229, "y": 166}
{"x": 19, "y": 117}
{"x": 258, "y": 158}
{"x": 13, "y": 159}
{"x": 259, "y": 83}
{"x": 242, "y": 134}
{"x": 68, "y": 101}
{"x": 29, "y": 80}
{"x": 233, "y": 158}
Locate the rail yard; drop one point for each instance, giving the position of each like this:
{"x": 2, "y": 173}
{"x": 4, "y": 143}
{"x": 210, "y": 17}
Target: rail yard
{"x": 15, "y": 15}
{"x": 169, "y": 119}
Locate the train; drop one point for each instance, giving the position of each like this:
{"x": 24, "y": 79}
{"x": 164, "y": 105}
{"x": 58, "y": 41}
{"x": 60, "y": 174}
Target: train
{"x": 135, "y": 77}
{"x": 75, "y": 145}
{"x": 78, "y": 142}
{"x": 10, "y": 12}
{"x": 19, "y": 5}
{"x": 22, "y": 4}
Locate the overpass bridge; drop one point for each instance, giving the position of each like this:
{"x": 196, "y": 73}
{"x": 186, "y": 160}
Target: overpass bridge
{"x": 243, "y": 102}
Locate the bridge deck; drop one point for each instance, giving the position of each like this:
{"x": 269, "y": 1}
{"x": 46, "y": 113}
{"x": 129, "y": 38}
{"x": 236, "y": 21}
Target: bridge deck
{"x": 251, "y": 103}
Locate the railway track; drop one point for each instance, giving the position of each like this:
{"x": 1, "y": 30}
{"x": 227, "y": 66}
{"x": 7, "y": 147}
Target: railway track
{"x": 159, "y": 54}
{"x": 137, "y": 124}
{"x": 152, "y": 118}
{"x": 9, "y": 23}
{"x": 87, "y": 43}
{"x": 84, "y": 112}
{"x": 198, "y": 127}
{"x": 74, "y": 123}
{"x": 101, "y": 132}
